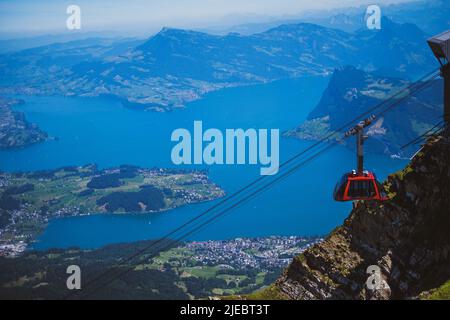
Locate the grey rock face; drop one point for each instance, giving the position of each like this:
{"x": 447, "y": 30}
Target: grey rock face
{"x": 406, "y": 237}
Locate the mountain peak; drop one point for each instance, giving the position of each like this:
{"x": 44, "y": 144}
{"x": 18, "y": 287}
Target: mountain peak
{"x": 390, "y": 28}
{"x": 353, "y": 91}
{"x": 171, "y": 31}
{"x": 166, "y": 35}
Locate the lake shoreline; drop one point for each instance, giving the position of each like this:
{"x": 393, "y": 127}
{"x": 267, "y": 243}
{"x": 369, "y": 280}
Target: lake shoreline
{"x": 30, "y": 201}
{"x": 101, "y": 130}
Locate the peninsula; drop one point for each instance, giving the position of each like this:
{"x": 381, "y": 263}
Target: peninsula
{"x": 29, "y": 200}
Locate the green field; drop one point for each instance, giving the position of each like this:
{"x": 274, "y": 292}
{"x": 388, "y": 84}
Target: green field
{"x": 29, "y": 200}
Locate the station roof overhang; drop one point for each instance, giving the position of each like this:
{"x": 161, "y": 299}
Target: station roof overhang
{"x": 440, "y": 45}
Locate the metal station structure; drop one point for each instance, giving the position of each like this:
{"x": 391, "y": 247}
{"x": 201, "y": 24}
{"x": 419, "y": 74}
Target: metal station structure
{"x": 440, "y": 45}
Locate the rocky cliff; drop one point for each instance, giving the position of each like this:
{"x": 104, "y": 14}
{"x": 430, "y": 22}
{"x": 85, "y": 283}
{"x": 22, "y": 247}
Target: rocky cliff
{"x": 352, "y": 91}
{"x": 407, "y": 237}
{"x": 15, "y": 130}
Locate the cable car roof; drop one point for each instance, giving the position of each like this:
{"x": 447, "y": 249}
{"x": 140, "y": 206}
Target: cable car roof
{"x": 440, "y": 45}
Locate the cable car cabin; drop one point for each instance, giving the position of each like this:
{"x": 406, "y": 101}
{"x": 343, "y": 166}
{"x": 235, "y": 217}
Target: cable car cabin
{"x": 354, "y": 187}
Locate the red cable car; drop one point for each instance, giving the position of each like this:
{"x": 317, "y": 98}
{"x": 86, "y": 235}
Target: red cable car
{"x": 353, "y": 187}
{"x": 359, "y": 184}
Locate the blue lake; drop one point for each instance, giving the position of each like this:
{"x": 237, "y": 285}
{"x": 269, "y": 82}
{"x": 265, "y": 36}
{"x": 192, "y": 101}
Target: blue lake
{"x": 100, "y": 130}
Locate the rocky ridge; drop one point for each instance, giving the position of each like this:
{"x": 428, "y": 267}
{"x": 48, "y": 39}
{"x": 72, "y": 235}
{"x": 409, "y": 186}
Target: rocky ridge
{"x": 406, "y": 237}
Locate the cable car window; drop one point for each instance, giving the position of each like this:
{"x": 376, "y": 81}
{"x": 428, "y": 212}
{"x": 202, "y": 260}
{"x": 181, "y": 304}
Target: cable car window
{"x": 340, "y": 187}
{"x": 339, "y": 190}
{"x": 361, "y": 189}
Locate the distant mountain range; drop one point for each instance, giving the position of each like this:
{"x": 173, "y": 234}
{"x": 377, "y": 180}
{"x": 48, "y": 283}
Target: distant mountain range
{"x": 175, "y": 66}
{"x": 430, "y": 15}
{"x": 351, "y": 92}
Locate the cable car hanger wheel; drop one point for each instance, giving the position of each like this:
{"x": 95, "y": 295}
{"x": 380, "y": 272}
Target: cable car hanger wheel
{"x": 359, "y": 184}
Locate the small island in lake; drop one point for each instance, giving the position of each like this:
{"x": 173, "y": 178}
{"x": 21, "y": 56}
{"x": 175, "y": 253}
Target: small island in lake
{"x": 29, "y": 200}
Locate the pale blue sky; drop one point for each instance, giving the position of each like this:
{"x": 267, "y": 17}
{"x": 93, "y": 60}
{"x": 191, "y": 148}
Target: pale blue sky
{"x": 143, "y": 16}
